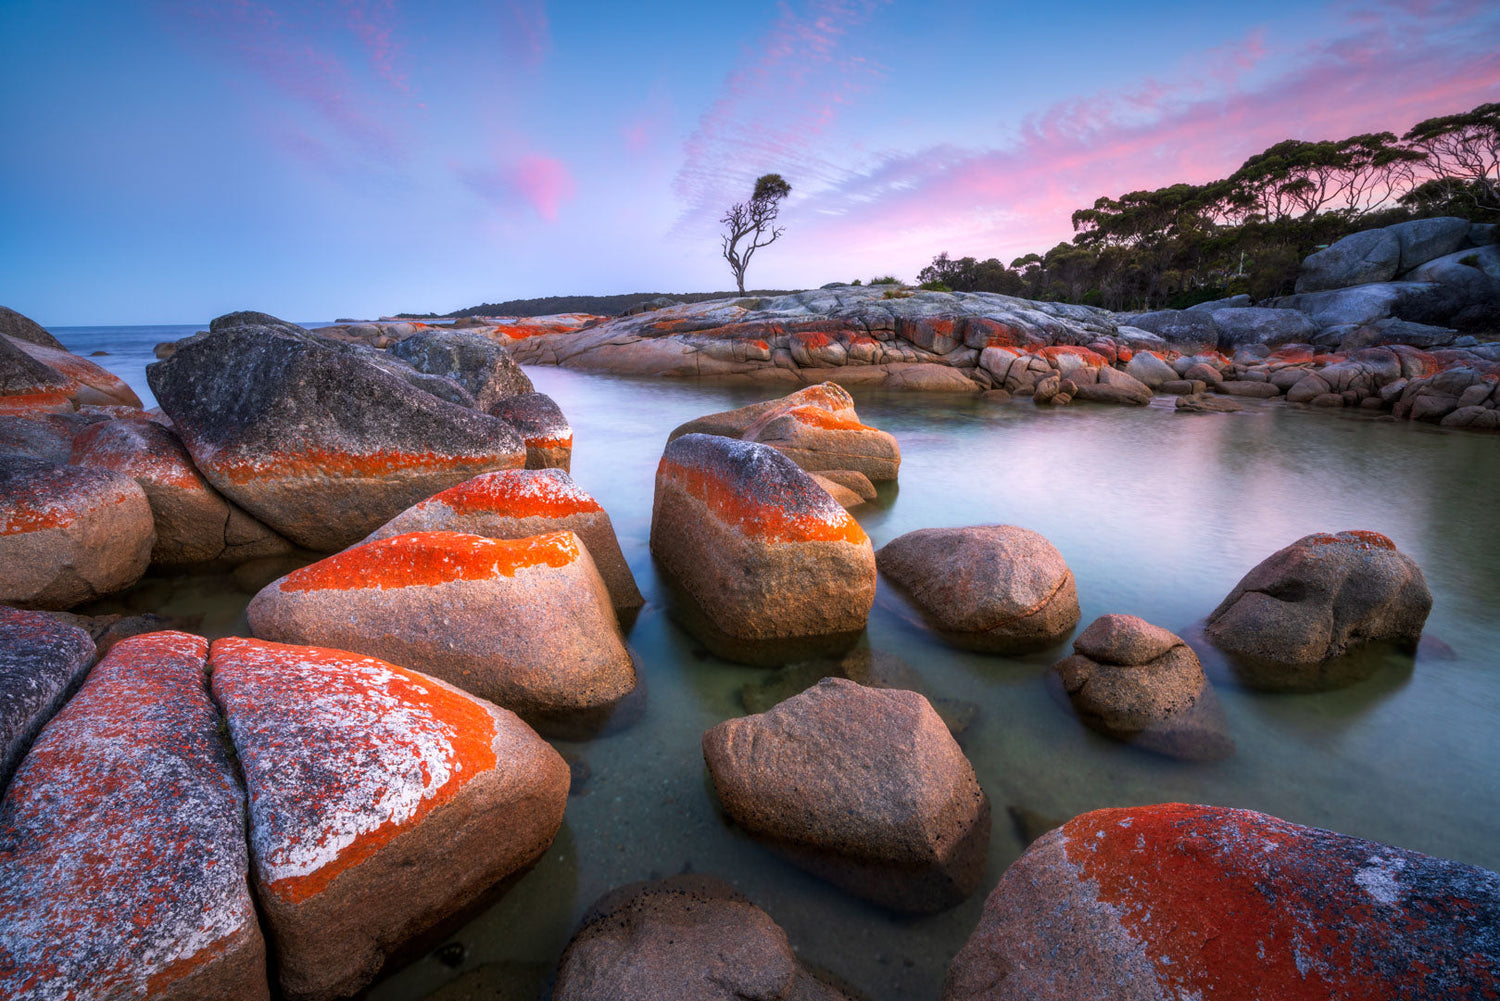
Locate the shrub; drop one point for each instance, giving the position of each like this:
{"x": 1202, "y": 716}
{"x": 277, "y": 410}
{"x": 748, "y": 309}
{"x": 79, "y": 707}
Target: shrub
{"x": 887, "y": 280}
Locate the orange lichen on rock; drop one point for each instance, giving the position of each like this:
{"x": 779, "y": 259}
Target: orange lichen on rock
{"x": 532, "y": 493}
{"x": 324, "y": 462}
{"x": 819, "y": 418}
{"x": 1355, "y": 537}
{"x": 775, "y": 519}
{"x": 341, "y": 754}
{"x": 430, "y": 558}
{"x": 1092, "y": 359}
{"x": 21, "y": 404}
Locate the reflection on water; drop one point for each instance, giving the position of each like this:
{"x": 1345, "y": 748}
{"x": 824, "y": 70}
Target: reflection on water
{"x": 1158, "y": 515}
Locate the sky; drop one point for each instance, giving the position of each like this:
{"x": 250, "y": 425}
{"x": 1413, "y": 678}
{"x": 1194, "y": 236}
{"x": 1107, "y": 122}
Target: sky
{"x": 171, "y": 160}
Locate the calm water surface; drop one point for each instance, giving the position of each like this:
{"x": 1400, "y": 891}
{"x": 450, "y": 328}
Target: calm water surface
{"x": 1158, "y": 515}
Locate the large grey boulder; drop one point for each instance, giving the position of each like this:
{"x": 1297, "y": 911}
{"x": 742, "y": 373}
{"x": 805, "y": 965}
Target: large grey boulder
{"x": 1358, "y": 259}
{"x": 1231, "y": 302}
{"x": 1458, "y": 267}
{"x": 1150, "y": 369}
{"x": 475, "y": 362}
{"x": 1185, "y": 330}
{"x": 24, "y": 328}
{"x": 1360, "y": 304}
{"x": 1423, "y": 240}
{"x": 1257, "y": 325}
{"x": 42, "y": 661}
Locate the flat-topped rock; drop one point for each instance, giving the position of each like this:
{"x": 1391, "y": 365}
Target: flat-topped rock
{"x": 768, "y": 564}
{"x": 686, "y": 938}
{"x": 1323, "y": 596}
{"x": 194, "y": 522}
{"x": 863, "y": 787}
{"x": 524, "y": 623}
{"x": 319, "y": 444}
{"x": 69, "y": 534}
{"x": 520, "y": 503}
{"x": 539, "y": 421}
{"x": 381, "y": 803}
{"x": 993, "y": 588}
{"x": 123, "y": 867}
{"x": 42, "y": 661}
{"x": 1177, "y": 901}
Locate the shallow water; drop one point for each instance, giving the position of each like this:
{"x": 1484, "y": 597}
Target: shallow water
{"x": 1158, "y": 515}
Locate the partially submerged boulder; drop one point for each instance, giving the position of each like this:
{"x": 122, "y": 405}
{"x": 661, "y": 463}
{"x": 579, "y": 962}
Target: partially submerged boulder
{"x": 1142, "y": 684}
{"x": 863, "y": 787}
{"x": 768, "y": 565}
{"x": 318, "y": 444}
{"x": 1323, "y": 596}
{"x": 992, "y": 588}
{"x": 1177, "y": 901}
{"x": 382, "y": 802}
{"x": 525, "y": 623}
{"x": 69, "y": 534}
{"x": 193, "y": 521}
{"x": 521, "y": 503}
{"x": 541, "y": 424}
{"x": 123, "y": 869}
{"x": 42, "y": 662}
{"x": 686, "y": 938}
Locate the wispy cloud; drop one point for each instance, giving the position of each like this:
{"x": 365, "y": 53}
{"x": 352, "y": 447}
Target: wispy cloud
{"x": 372, "y": 22}
{"x": 540, "y": 183}
{"x": 526, "y": 33}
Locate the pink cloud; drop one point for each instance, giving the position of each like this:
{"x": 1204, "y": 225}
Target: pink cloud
{"x": 370, "y": 21}
{"x": 1375, "y": 74}
{"x": 527, "y": 34}
{"x": 541, "y": 183}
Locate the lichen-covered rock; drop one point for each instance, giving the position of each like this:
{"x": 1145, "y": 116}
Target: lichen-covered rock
{"x": 18, "y": 326}
{"x": 194, "y": 523}
{"x": 35, "y": 436}
{"x": 381, "y": 802}
{"x": 42, "y": 661}
{"x": 472, "y": 360}
{"x": 69, "y": 534}
{"x": 687, "y": 938}
{"x": 1176, "y": 901}
{"x": 28, "y": 386}
{"x": 317, "y": 443}
{"x": 1149, "y": 370}
{"x": 93, "y": 384}
{"x": 769, "y": 564}
{"x": 863, "y": 787}
{"x": 539, "y": 421}
{"x": 1142, "y": 684}
{"x": 123, "y": 869}
{"x": 1113, "y": 385}
{"x": 994, "y": 588}
{"x": 521, "y": 503}
{"x": 524, "y": 623}
{"x": 734, "y": 423}
{"x": 1320, "y": 597}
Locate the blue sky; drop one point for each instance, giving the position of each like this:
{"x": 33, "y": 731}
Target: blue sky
{"x": 170, "y": 161}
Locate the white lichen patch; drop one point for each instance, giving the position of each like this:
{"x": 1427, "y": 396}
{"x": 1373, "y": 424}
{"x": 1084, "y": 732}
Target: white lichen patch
{"x": 1381, "y": 878}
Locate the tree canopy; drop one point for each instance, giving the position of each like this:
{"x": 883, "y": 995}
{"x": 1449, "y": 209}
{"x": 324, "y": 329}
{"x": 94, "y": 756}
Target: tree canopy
{"x": 753, "y": 221}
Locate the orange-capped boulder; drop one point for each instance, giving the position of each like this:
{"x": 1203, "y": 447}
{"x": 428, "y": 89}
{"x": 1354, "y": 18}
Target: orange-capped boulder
{"x": 539, "y": 421}
{"x": 194, "y": 523}
{"x": 525, "y": 623}
{"x": 123, "y": 868}
{"x": 381, "y": 802}
{"x": 69, "y": 534}
{"x": 93, "y": 383}
{"x": 734, "y": 423}
{"x": 311, "y": 437}
{"x": 520, "y": 503}
{"x": 767, "y": 565}
{"x": 28, "y": 386}
{"x": 1176, "y": 901}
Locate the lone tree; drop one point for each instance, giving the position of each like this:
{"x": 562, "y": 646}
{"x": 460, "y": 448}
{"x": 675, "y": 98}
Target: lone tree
{"x": 753, "y": 219}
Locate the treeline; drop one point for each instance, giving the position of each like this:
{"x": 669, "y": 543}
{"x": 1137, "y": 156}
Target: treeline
{"x": 598, "y": 305}
{"x": 1248, "y": 233}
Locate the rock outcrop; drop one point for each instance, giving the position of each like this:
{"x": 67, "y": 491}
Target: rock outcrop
{"x": 517, "y": 504}
{"x": 69, "y": 534}
{"x": 42, "y": 662}
{"x": 992, "y": 588}
{"x": 318, "y": 444}
{"x": 524, "y": 623}
{"x": 123, "y": 868}
{"x": 193, "y": 521}
{"x": 768, "y": 566}
{"x": 1142, "y": 684}
{"x": 686, "y": 938}
{"x": 381, "y": 802}
{"x": 539, "y": 421}
{"x": 19, "y": 327}
{"x": 1177, "y": 901}
{"x": 474, "y": 361}
{"x": 863, "y": 787}
{"x": 1323, "y": 596}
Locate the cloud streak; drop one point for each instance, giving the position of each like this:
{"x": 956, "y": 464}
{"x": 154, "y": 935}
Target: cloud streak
{"x": 541, "y": 183}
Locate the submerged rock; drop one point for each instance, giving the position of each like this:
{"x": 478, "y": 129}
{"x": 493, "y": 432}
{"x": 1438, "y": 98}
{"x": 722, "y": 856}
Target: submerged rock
{"x": 42, "y": 661}
{"x": 317, "y": 443}
{"x": 382, "y": 802}
{"x": 518, "y": 504}
{"x": 992, "y": 588}
{"x": 69, "y": 534}
{"x": 1177, "y": 901}
{"x": 1323, "y": 596}
{"x": 863, "y": 787}
{"x": 123, "y": 869}
{"x": 525, "y": 623}
{"x": 1142, "y": 684}
{"x": 686, "y": 938}
{"x": 770, "y": 567}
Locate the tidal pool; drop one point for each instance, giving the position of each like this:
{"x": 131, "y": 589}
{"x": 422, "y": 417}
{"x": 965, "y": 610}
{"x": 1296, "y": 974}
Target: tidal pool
{"x": 1159, "y": 515}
